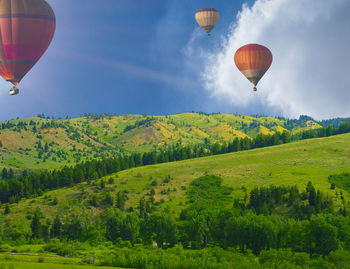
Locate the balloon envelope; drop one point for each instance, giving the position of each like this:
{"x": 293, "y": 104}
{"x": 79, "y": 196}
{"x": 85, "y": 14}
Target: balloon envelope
{"x": 207, "y": 18}
{"x": 253, "y": 60}
{"x": 26, "y": 31}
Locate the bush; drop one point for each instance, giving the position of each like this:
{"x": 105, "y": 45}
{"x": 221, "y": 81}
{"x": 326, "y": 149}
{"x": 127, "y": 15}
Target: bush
{"x": 55, "y": 246}
{"x": 5, "y": 248}
{"x": 41, "y": 259}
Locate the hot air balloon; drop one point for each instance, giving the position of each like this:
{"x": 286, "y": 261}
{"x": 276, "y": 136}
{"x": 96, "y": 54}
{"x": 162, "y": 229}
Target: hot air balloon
{"x": 253, "y": 60}
{"x": 26, "y": 31}
{"x": 207, "y": 18}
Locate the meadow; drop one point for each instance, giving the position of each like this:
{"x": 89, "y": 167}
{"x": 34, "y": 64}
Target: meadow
{"x": 295, "y": 163}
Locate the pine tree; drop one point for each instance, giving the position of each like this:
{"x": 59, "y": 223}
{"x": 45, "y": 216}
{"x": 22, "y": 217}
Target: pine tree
{"x": 40, "y": 146}
{"x": 121, "y": 200}
{"x": 11, "y": 174}
{"x": 312, "y": 197}
{"x": 7, "y": 209}
{"x": 4, "y": 174}
{"x": 56, "y": 229}
{"x": 142, "y": 207}
{"x": 36, "y": 225}
{"x": 46, "y": 148}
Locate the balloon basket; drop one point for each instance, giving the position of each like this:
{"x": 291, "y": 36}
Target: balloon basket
{"x": 14, "y": 91}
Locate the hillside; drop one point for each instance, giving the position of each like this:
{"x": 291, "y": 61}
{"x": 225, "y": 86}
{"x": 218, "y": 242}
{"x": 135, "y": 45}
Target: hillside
{"x": 41, "y": 142}
{"x": 291, "y": 164}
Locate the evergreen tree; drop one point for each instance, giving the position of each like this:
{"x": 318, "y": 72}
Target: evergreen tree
{"x": 7, "y": 209}
{"x": 312, "y": 196}
{"x": 56, "y": 229}
{"x": 35, "y": 225}
{"x": 11, "y": 174}
{"x": 45, "y": 230}
{"x": 46, "y": 148}
{"x": 142, "y": 208}
{"x": 108, "y": 199}
{"x": 121, "y": 200}
{"x": 4, "y": 174}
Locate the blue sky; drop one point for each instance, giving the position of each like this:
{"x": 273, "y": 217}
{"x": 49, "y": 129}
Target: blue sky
{"x": 151, "y": 57}
{"x": 121, "y": 56}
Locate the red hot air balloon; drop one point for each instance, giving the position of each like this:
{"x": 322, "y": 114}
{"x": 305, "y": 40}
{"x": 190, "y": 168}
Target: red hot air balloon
{"x": 27, "y": 28}
{"x": 253, "y": 60}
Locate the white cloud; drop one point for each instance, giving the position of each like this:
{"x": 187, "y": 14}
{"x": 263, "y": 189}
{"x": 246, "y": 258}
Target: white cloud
{"x": 310, "y": 43}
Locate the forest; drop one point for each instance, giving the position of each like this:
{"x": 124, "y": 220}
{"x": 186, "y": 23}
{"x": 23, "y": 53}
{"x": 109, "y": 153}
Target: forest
{"x": 276, "y": 224}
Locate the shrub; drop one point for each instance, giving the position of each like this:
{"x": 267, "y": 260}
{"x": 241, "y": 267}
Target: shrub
{"x": 5, "y": 248}
{"x": 41, "y": 259}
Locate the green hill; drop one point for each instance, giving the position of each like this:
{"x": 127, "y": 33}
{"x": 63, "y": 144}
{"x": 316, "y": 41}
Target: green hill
{"x": 40, "y": 142}
{"x": 258, "y": 196}
{"x": 290, "y": 164}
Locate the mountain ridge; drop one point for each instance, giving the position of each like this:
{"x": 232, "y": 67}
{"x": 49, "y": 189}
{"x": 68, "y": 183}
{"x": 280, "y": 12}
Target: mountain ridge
{"x": 40, "y": 142}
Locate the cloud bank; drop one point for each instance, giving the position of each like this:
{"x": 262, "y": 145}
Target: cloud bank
{"x": 310, "y": 41}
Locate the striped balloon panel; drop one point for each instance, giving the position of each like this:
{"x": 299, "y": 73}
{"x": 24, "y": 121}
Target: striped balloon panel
{"x": 207, "y": 18}
{"x": 253, "y": 56}
{"x": 26, "y": 30}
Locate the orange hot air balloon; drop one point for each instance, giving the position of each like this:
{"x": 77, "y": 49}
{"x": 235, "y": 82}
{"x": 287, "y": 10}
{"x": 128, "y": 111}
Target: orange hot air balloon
{"x": 27, "y": 28}
{"x": 253, "y": 60}
{"x": 207, "y": 18}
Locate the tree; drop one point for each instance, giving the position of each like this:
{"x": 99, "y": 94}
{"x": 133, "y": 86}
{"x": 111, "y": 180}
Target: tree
{"x": 45, "y": 230}
{"x": 312, "y": 197}
{"x": 11, "y": 174}
{"x": 114, "y": 224}
{"x": 46, "y": 148}
{"x": 36, "y": 225}
{"x": 73, "y": 228}
{"x": 7, "y": 209}
{"x": 142, "y": 208}
{"x": 121, "y": 200}
{"x": 55, "y": 201}
{"x": 324, "y": 236}
{"x": 56, "y": 229}
{"x": 4, "y": 174}
{"x": 131, "y": 227}
{"x": 108, "y": 199}
{"x": 160, "y": 227}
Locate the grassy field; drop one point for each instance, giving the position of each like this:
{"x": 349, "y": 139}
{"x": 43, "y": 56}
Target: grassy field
{"x": 21, "y": 261}
{"x": 291, "y": 164}
{"x": 22, "y": 141}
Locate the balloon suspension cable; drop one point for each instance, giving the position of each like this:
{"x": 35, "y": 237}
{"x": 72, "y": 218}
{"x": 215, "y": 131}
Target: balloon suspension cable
{"x": 255, "y": 89}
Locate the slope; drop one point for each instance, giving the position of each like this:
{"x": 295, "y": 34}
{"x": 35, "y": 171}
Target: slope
{"x": 291, "y": 164}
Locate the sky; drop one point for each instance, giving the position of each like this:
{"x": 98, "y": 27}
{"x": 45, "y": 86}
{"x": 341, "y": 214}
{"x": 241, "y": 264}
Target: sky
{"x": 151, "y": 57}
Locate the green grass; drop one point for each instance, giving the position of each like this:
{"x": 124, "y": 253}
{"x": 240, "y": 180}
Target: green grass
{"x": 21, "y": 261}
{"x": 291, "y": 164}
{"x": 342, "y": 181}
